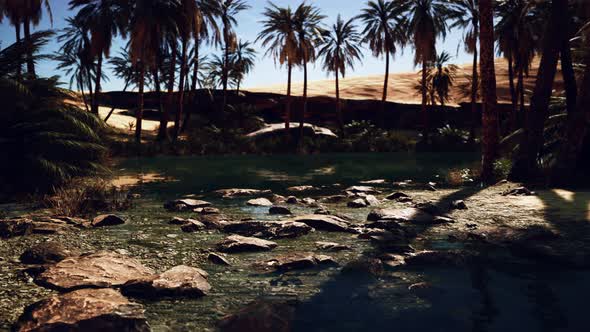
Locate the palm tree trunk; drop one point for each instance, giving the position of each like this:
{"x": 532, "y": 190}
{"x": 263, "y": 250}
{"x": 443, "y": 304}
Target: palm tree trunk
{"x": 474, "y": 87}
{"x": 525, "y": 165}
{"x": 95, "y": 103}
{"x": 180, "y": 90}
{"x": 490, "y": 135}
{"x": 113, "y": 108}
{"x": 81, "y": 87}
{"x": 90, "y": 88}
{"x": 339, "y": 105}
{"x": 513, "y": 93}
{"x": 29, "y": 52}
{"x": 225, "y": 71}
{"x": 381, "y": 115}
{"x": 19, "y": 69}
{"x": 288, "y": 105}
{"x": 238, "y": 87}
{"x": 569, "y": 76}
{"x": 158, "y": 88}
{"x": 304, "y": 109}
{"x": 187, "y": 115}
{"x": 520, "y": 88}
{"x": 425, "y": 124}
{"x": 163, "y": 130}
{"x": 139, "y": 112}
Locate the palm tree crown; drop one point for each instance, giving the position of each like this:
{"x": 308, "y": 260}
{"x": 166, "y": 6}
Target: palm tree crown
{"x": 341, "y": 47}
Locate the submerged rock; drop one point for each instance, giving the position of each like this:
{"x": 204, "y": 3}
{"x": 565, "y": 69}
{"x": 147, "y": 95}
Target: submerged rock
{"x": 260, "y": 316}
{"x": 237, "y": 243}
{"x": 107, "y": 220}
{"x": 280, "y": 210}
{"x": 218, "y": 259}
{"x": 192, "y": 226}
{"x": 186, "y": 204}
{"x": 84, "y": 310}
{"x": 183, "y": 281}
{"x": 268, "y": 229}
{"x": 234, "y": 192}
{"x": 46, "y": 253}
{"x": 325, "y": 223}
{"x": 15, "y": 227}
{"x": 259, "y": 202}
{"x": 213, "y": 221}
{"x": 98, "y": 270}
{"x": 331, "y": 246}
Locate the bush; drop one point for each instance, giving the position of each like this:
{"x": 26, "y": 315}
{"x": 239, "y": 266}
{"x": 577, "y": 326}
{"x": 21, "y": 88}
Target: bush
{"x": 448, "y": 139}
{"x": 502, "y": 168}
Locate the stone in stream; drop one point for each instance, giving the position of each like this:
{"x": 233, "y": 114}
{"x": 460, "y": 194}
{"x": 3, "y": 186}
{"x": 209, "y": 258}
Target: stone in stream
{"x": 310, "y": 202}
{"x": 325, "y": 223}
{"x": 97, "y": 270}
{"x": 259, "y": 202}
{"x": 399, "y": 196}
{"x": 268, "y": 229}
{"x": 449, "y": 258}
{"x": 292, "y": 200}
{"x": 333, "y": 199}
{"x": 107, "y": 220}
{"x": 237, "y": 243}
{"x": 364, "y": 266}
{"x": 362, "y": 190}
{"x": 279, "y": 210}
{"x": 357, "y": 203}
{"x": 278, "y": 199}
{"x": 207, "y": 210}
{"x": 301, "y": 188}
{"x": 178, "y": 221}
{"x": 52, "y": 228}
{"x": 185, "y": 204}
{"x": 407, "y": 215}
{"x": 323, "y": 211}
{"x": 331, "y": 246}
{"x": 192, "y": 226}
{"x": 46, "y": 253}
{"x": 235, "y": 192}
{"x": 84, "y": 310}
{"x": 299, "y": 261}
{"x": 372, "y": 200}
{"x": 378, "y": 181}
{"x": 218, "y": 259}
{"x": 213, "y": 221}
{"x": 260, "y": 316}
{"x": 15, "y": 227}
{"x": 179, "y": 281}
{"x": 72, "y": 221}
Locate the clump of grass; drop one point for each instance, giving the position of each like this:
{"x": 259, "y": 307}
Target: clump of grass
{"x": 462, "y": 176}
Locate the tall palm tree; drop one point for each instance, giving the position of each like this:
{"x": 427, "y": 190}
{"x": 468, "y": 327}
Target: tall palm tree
{"x": 465, "y": 15}
{"x": 341, "y": 49}
{"x": 384, "y": 23}
{"x": 442, "y": 76}
{"x": 490, "y": 135}
{"x": 242, "y": 62}
{"x": 104, "y": 19}
{"x": 228, "y": 13}
{"x": 14, "y": 12}
{"x": 309, "y": 31}
{"x": 427, "y": 21}
{"x": 206, "y": 31}
{"x": 32, "y": 11}
{"x": 279, "y": 37}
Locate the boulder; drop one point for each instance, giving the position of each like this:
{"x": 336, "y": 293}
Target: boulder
{"x": 331, "y": 246}
{"x": 259, "y": 202}
{"x": 237, "y": 243}
{"x": 357, "y": 203}
{"x": 333, "y": 199}
{"x": 449, "y": 258}
{"x": 15, "y": 227}
{"x": 179, "y": 281}
{"x": 213, "y": 221}
{"x": 325, "y": 222}
{"x": 268, "y": 229}
{"x": 458, "y": 205}
{"x": 46, "y": 253}
{"x": 234, "y": 192}
{"x": 301, "y": 188}
{"x": 218, "y": 259}
{"x": 372, "y": 200}
{"x": 279, "y": 210}
{"x": 399, "y": 197}
{"x": 97, "y": 270}
{"x": 260, "y": 316}
{"x": 299, "y": 261}
{"x": 362, "y": 190}
{"x": 107, "y": 220}
{"x": 310, "y": 202}
{"x": 412, "y": 215}
{"x": 185, "y": 204}
{"x": 292, "y": 200}
{"x": 84, "y": 310}
{"x": 192, "y": 226}
{"x": 178, "y": 221}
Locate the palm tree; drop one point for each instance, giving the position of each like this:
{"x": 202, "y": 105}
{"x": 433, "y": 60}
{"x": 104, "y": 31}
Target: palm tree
{"x": 104, "y": 19}
{"x": 279, "y": 36}
{"x": 32, "y": 11}
{"x": 384, "y": 23}
{"x": 465, "y": 15}
{"x": 427, "y": 21}
{"x": 228, "y": 13}
{"x": 341, "y": 49}
{"x": 206, "y": 30}
{"x": 442, "y": 77}
{"x": 242, "y": 62}
{"x": 490, "y": 135}
{"x": 123, "y": 68}
{"x": 14, "y": 12}
{"x": 307, "y": 22}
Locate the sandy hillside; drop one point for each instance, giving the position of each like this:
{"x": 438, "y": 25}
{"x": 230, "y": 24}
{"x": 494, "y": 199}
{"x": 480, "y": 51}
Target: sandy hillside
{"x": 401, "y": 86}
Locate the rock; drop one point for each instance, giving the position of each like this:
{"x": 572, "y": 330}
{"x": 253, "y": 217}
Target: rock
{"x": 299, "y": 261}
{"x": 259, "y": 202}
{"x": 15, "y": 227}
{"x": 431, "y": 187}
{"x": 425, "y": 289}
{"x": 399, "y": 196}
{"x": 233, "y": 193}
{"x": 179, "y": 281}
{"x": 514, "y": 236}
{"x": 276, "y": 129}
{"x": 192, "y": 226}
{"x": 331, "y": 246}
{"x": 280, "y": 210}
{"x": 278, "y": 199}
{"x": 357, "y": 203}
{"x": 107, "y": 220}
{"x": 324, "y": 222}
{"x": 218, "y": 259}
{"x": 520, "y": 191}
{"x": 237, "y": 243}
{"x": 268, "y": 229}
{"x": 207, "y": 210}
{"x": 392, "y": 260}
{"x": 185, "y": 204}
{"x": 428, "y": 207}
{"x": 372, "y": 200}
{"x": 51, "y": 228}
{"x": 333, "y": 199}
{"x": 260, "y": 316}
{"x": 378, "y": 181}
{"x": 365, "y": 266}
{"x": 46, "y": 253}
{"x": 458, "y": 205}
{"x": 310, "y": 202}
{"x": 178, "y": 221}
{"x": 450, "y": 258}
{"x": 213, "y": 221}
{"x": 84, "y": 310}
{"x": 98, "y": 270}
{"x": 323, "y": 211}
{"x": 387, "y": 224}
{"x": 301, "y": 188}
{"x": 72, "y": 221}
{"x": 402, "y": 215}
{"x": 292, "y": 200}
{"x": 390, "y": 241}
{"x": 362, "y": 189}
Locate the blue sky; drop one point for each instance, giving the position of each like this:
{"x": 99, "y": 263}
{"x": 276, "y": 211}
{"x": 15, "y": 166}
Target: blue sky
{"x": 265, "y": 72}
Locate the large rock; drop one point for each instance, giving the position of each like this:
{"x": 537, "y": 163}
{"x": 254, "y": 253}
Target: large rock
{"x": 399, "y": 197}
{"x": 333, "y": 199}
{"x": 260, "y": 316}
{"x": 279, "y": 210}
{"x": 325, "y": 222}
{"x": 237, "y": 243}
{"x": 89, "y": 310}
{"x": 279, "y": 128}
{"x": 184, "y": 281}
{"x": 218, "y": 259}
{"x": 268, "y": 229}
{"x": 185, "y": 204}
{"x": 15, "y": 227}
{"x": 412, "y": 215}
{"x": 192, "y": 226}
{"x": 357, "y": 203}
{"x": 213, "y": 221}
{"x": 98, "y": 270}
{"x": 234, "y": 192}
{"x": 259, "y": 202}
{"x": 46, "y": 253}
{"x": 362, "y": 190}
{"x": 107, "y": 220}
{"x": 299, "y": 261}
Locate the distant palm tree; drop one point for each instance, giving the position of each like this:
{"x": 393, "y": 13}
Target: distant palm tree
{"x": 465, "y": 15}
{"x": 206, "y": 31}
{"x": 14, "y": 12}
{"x": 279, "y": 36}
{"x": 384, "y": 28}
{"x": 442, "y": 75}
{"x": 104, "y": 19}
{"x": 242, "y": 62}
{"x": 32, "y": 11}
{"x": 309, "y": 31}
{"x": 340, "y": 50}
{"x": 123, "y": 68}
{"x": 228, "y": 15}
{"x": 427, "y": 21}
